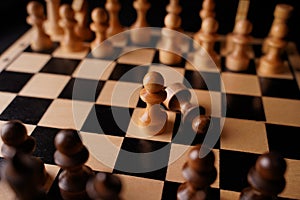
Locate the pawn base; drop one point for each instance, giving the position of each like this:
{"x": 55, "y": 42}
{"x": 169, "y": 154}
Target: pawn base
{"x": 237, "y": 64}
{"x": 169, "y": 58}
{"x": 270, "y": 67}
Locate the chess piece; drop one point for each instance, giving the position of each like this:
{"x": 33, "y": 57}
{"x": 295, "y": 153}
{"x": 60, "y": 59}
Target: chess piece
{"x": 173, "y": 7}
{"x": 82, "y": 30}
{"x": 199, "y": 174}
{"x": 140, "y": 36}
{"x": 229, "y": 44}
{"x": 153, "y": 120}
{"x": 104, "y": 186}
{"x": 101, "y": 48}
{"x": 178, "y": 99}
{"x": 52, "y": 26}
{"x": 238, "y": 59}
{"x": 113, "y": 7}
{"x": 25, "y": 174}
{"x": 266, "y": 178}
{"x": 169, "y": 55}
{"x": 71, "y": 155}
{"x": 282, "y": 13}
{"x": 206, "y": 37}
{"x": 40, "y": 40}
{"x": 208, "y": 7}
{"x": 272, "y": 63}
{"x": 70, "y": 42}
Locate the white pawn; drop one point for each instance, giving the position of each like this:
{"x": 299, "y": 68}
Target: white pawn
{"x": 81, "y": 15}
{"x": 208, "y": 7}
{"x": 207, "y": 37}
{"x": 70, "y": 42}
{"x": 101, "y": 48}
{"x": 140, "y": 36}
{"x": 170, "y": 53}
{"x": 238, "y": 59}
{"x": 113, "y": 7}
{"x": 153, "y": 121}
{"x": 40, "y": 40}
{"x": 271, "y": 62}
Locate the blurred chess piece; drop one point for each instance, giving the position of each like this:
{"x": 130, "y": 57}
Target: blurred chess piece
{"x": 271, "y": 62}
{"x": 138, "y": 35}
{"x": 82, "y": 30}
{"x": 238, "y": 59}
{"x": 113, "y": 7}
{"x": 40, "y": 40}
{"x": 101, "y": 48}
{"x": 208, "y": 7}
{"x": 266, "y": 178}
{"x": 207, "y": 37}
{"x": 52, "y": 27}
{"x": 71, "y": 155}
{"x": 104, "y": 186}
{"x": 70, "y": 41}
{"x": 282, "y": 13}
{"x": 199, "y": 174}
{"x": 24, "y": 173}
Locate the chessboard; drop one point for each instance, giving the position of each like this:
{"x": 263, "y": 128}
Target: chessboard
{"x": 262, "y": 114}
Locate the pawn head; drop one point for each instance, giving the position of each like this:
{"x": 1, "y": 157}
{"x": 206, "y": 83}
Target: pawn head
{"x": 66, "y": 12}
{"x": 99, "y": 15}
{"x": 14, "y": 133}
{"x": 68, "y": 142}
{"x": 153, "y": 82}
{"x": 35, "y": 8}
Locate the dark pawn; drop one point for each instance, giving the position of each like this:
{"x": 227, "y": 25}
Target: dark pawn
{"x": 104, "y": 186}
{"x": 199, "y": 174}
{"x": 266, "y": 178}
{"x": 25, "y": 174}
{"x": 71, "y": 155}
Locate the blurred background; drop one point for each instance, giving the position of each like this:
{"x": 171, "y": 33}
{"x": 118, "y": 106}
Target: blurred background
{"x": 13, "y": 16}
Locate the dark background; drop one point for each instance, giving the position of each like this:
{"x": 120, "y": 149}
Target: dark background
{"x": 13, "y": 16}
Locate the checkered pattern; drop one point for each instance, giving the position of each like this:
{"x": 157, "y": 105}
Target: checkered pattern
{"x": 262, "y": 114}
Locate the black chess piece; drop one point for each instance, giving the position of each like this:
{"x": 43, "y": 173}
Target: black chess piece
{"x": 199, "y": 174}
{"x": 25, "y": 174}
{"x": 266, "y": 178}
{"x": 71, "y": 155}
{"x": 104, "y": 186}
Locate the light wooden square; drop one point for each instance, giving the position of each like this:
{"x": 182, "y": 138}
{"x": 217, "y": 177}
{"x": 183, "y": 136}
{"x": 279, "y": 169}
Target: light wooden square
{"x": 193, "y": 65}
{"x": 135, "y": 131}
{"x": 292, "y": 177}
{"x": 170, "y": 74}
{"x": 178, "y": 156}
{"x": 63, "y": 113}
{"x": 136, "y": 188}
{"x": 94, "y": 69}
{"x": 137, "y": 57}
{"x": 210, "y": 100}
{"x": 45, "y": 85}
{"x": 29, "y": 62}
{"x": 229, "y": 195}
{"x": 104, "y": 150}
{"x": 244, "y": 135}
{"x": 240, "y": 84}
{"x": 282, "y": 111}
{"x": 52, "y": 170}
{"x": 5, "y": 99}
{"x": 124, "y": 94}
